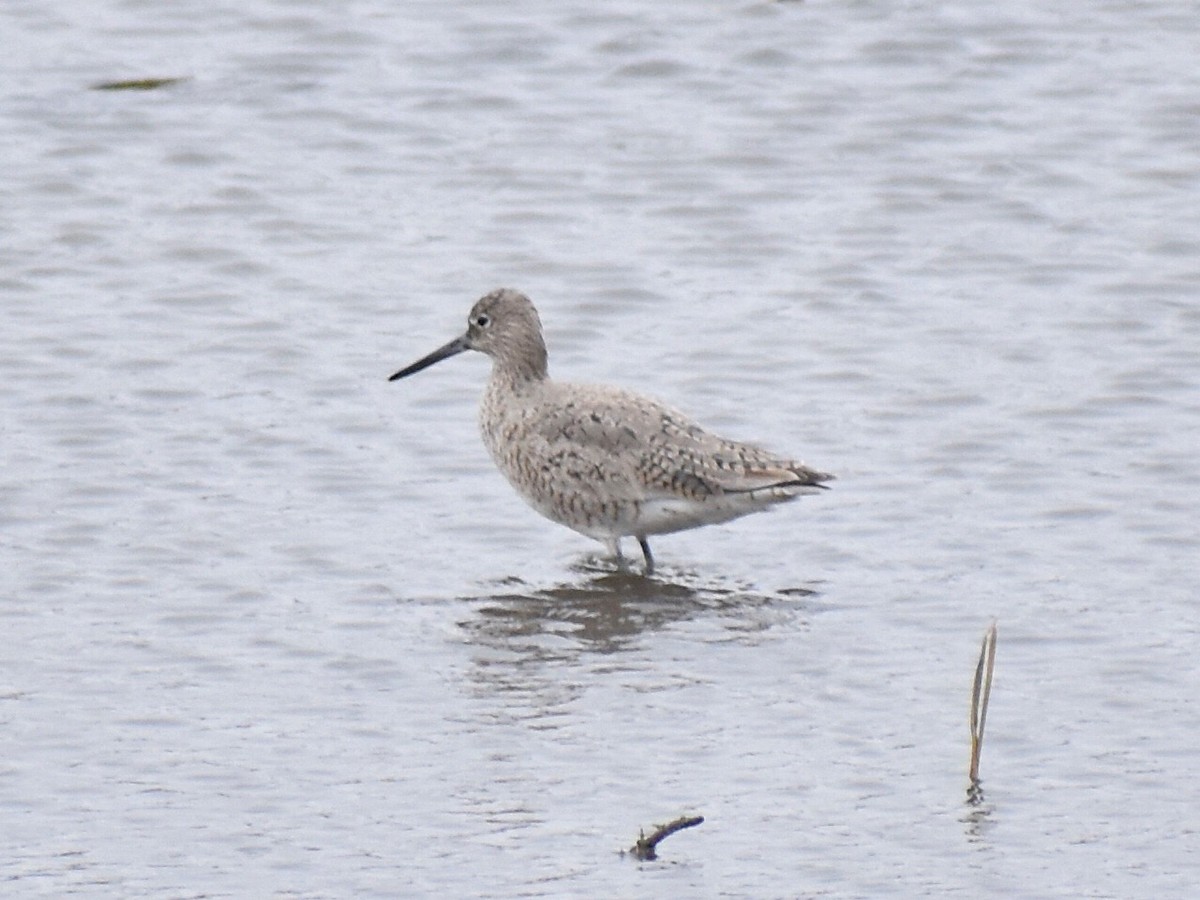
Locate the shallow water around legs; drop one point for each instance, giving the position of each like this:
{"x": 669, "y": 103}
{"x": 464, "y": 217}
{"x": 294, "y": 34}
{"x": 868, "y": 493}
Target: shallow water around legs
{"x": 274, "y": 626}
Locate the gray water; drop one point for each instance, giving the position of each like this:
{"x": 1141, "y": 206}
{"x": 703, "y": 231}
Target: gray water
{"x": 275, "y": 627}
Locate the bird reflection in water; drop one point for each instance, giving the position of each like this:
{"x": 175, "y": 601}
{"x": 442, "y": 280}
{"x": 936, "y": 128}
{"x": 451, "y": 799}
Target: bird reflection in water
{"x": 538, "y": 647}
{"x": 607, "y": 610}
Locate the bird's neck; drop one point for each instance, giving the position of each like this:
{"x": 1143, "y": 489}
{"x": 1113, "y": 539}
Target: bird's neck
{"x": 528, "y": 366}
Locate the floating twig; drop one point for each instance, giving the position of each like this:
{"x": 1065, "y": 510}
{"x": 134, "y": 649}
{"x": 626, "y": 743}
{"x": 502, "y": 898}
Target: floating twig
{"x": 980, "y": 694}
{"x": 137, "y": 84}
{"x": 644, "y": 848}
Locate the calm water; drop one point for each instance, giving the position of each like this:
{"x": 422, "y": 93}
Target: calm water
{"x": 274, "y": 626}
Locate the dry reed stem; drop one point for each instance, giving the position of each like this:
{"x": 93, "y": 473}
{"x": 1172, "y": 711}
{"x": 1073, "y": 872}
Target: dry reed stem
{"x": 980, "y": 694}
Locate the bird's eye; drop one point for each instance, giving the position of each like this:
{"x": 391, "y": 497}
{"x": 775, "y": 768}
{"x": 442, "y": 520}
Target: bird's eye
{"x": 483, "y": 321}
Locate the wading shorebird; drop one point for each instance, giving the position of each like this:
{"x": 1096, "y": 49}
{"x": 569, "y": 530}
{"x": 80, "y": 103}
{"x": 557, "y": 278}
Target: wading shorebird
{"x": 606, "y": 462}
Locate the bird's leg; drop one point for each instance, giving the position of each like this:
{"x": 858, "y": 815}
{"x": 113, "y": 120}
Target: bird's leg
{"x": 613, "y": 546}
{"x": 645, "y": 545}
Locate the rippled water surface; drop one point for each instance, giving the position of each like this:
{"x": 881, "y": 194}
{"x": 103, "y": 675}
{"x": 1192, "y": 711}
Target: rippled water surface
{"x": 274, "y": 626}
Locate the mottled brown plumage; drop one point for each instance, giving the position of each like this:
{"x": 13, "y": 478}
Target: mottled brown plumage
{"x": 604, "y": 461}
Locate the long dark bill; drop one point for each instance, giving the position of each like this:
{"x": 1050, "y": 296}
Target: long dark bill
{"x": 456, "y": 346}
